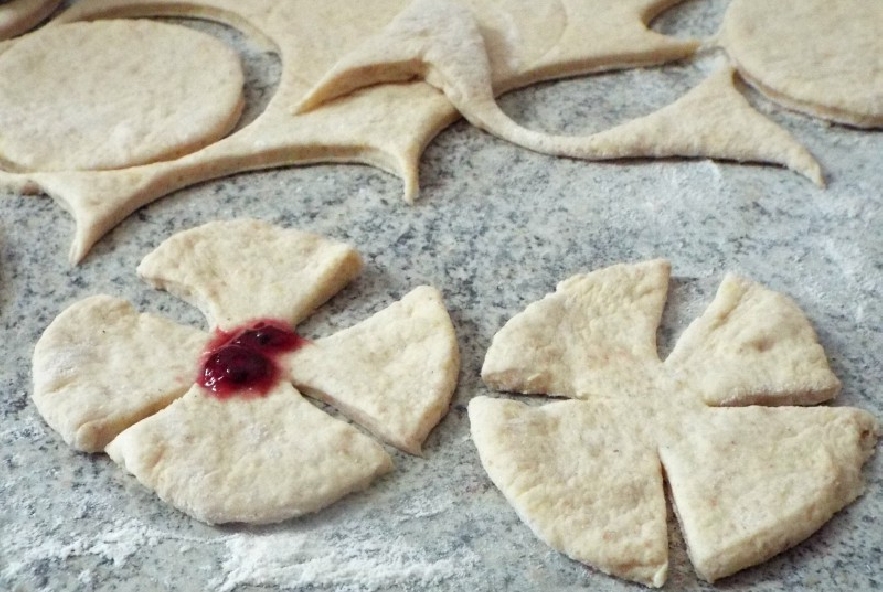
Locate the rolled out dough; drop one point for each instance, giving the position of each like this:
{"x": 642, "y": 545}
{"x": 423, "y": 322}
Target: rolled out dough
{"x": 818, "y": 57}
{"x": 585, "y": 474}
{"x": 108, "y": 378}
{"x": 113, "y": 94}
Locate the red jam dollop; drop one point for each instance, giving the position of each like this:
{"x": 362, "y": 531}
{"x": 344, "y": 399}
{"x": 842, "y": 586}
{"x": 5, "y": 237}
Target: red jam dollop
{"x": 244, "y": 361}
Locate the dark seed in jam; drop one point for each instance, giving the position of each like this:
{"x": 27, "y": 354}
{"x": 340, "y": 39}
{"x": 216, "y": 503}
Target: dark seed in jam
{"x": 268, "y": 337}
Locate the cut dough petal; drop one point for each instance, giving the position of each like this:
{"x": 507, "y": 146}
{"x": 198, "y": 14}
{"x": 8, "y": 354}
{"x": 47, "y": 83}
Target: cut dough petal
{"x": 248, "y": 459}
{"x": 67, "y": 102}
{"x": 713, "y": 120}
{"x": 582, "y": 478}
{"x": 594, "y": 336}
{"x": 239, "y": 270}
{"x": 393, "y": 373}
{"x": 17, "y": 16}
{"x": 814, "y": 56}
{"x": 100, "y": 367}
{"x": 749, "y": 483}
{"x": 753, "y": 346}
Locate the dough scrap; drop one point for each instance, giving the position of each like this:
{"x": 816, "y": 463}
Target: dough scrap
{"x": 385, "y": 126}
{"x": 108, "y": 378}
{"x": 113, "y": 94}
{"x": 90, "y": 381}
{"x": 401, "y": 369}
{"x": 238, "y": 270}
{"x": 712, "y": 120}
{"x": 747, "y": 482}
{"x": 17, "y": 16}
{"x": 817, "y": 57}
{"x": 441, "y": 42}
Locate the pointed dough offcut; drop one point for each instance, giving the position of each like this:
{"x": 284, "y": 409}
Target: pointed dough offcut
{"x": 248, "y": 459}
{"x": 239, "y": 270}
{"x": 100, "y": 367}
{"x": 753, "y": 346}
{"x": 713, "y": 120}
{"x": 17, "y": 16}
{"x": 113, "y": 94}
{"x": 393, "y": 373}
{"x": 749, "y": 483}
{"x": 815, "y": 56}
{"x": 582, "y": 477}
{"x": 441, "y": 42}
{"x": 594, "y": 332}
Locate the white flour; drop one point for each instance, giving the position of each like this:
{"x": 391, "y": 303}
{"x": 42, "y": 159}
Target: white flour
{"x": 121, "y": 541}
{"x": 291, "y": 560}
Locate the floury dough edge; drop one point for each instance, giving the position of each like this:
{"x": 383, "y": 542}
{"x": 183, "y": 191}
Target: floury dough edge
{"x": 496, "y": 228}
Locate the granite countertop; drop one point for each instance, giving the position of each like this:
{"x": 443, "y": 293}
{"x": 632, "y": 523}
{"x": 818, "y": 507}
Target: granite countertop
{"x": 496, "y": 227}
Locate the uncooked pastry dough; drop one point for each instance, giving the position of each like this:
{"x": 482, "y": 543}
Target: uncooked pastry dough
{"x": 405, "y": 353}
{"x": 90, "y": 390}
{"x": 109, "y": 378}
{"x": 255, "y": 460}
{"x": 238, "y": 270}
{"x": 113, "y": 94}
{"x": 815, "y": 56}
{"x": 441, "y": 42}
{"x": 586, "y": 474}
{"x": 17, "y": 16}
{"x": 388, "y": 125}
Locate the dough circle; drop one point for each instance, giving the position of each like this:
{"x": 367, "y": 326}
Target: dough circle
{"x": 815, "y": 56}
{"x": 113, "y": 94}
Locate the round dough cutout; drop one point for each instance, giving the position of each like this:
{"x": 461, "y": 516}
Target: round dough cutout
{"x": 113, "y": 94}
{"x": 815, "y": 56}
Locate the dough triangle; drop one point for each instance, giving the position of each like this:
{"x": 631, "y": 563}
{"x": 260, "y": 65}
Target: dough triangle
{"x": 248, "y": 459}
{"x": 580, "y": 475}
{"x": 713, "y": 120}
{"x": 241, "y": 270}
{"x": 749, "y": 483}
{"x": 393, "y": 373}
{"x": 591, "y": 337}
{"x": 753, "y": 346}
{"x": 100, "y": 367}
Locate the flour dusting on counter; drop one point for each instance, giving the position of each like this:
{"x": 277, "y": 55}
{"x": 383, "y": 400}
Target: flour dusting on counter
{"x": 291, "y": 560}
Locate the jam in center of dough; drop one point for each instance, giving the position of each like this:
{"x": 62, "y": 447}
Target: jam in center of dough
{"x": 244, "y": 361}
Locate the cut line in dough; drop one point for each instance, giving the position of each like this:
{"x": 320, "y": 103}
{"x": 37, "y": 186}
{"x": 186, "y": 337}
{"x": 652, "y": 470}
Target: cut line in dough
{"x": 752, "y": 469}
{"x": 108, "y": 378}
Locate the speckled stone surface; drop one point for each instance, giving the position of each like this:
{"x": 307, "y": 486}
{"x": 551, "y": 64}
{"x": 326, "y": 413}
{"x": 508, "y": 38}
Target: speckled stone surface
{"x": 495, "y": 228}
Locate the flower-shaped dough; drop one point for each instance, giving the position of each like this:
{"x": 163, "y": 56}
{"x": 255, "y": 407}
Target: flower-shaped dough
{"x": 109, "y": 378}
{"x": 586, "y": 475}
